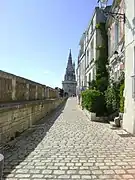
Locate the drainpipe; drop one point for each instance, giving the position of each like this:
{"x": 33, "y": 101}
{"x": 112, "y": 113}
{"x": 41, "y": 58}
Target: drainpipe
{"x": 1, "y": 165}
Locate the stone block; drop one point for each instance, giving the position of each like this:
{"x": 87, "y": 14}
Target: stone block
{"x": 92, "y": 116}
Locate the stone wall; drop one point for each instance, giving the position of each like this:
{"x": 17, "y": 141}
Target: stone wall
{"x": 23, "y": 103}
{"x": 15, "y": 88}
{"x": 16, "y": 119}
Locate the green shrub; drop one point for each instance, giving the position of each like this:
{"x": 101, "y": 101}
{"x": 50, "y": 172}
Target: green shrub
{"x": 92, "y": 84}
{"x": 122, "y": 98}
{"x": 93, "y": 101}
{"x": 102, "y": 83}
{"x": 111, "y": 102}
{"x": 112, "y": 97}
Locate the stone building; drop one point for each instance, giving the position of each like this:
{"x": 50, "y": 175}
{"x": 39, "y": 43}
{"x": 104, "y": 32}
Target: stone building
{"x": 69, "y": 83}
{"x": 88, "y": 54}
{"x": 116, "y": 41}
{"x": 129, "y": 109}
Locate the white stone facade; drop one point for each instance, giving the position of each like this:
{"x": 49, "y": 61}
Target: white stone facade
{"x": 91, "y": 39}
{"x": 116, "y": 41}
{"x": 129, "y": 111}
{"x": 80, "y": 72}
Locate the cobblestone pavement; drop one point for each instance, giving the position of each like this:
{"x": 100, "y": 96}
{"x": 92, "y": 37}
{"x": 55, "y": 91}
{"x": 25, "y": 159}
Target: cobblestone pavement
{"x": 72, "y": 147}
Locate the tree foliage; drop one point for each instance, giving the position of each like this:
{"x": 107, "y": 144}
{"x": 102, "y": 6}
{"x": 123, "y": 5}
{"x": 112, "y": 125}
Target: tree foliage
{"x": 114, "y": 96}
{"x": 101, "y": 62}
{"x": 122, "y": 99}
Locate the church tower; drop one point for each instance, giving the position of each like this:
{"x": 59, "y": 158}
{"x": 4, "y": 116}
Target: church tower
{"x": 69, "y": 83}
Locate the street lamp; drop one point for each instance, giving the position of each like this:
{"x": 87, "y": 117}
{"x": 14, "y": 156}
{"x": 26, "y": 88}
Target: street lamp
{"x": 117, "y": 16}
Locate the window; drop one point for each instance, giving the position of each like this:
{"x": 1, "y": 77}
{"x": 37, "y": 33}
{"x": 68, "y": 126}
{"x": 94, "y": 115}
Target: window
{"x": 79, "y": 80}
{"x": 87, "y": 57}
{"x": 92, "y": 26}
{"x": 82, "y": 83}
{"x": 93, "y": 73}
{"x": 89, "y": 77}
{"x": 89, "y": 32}
{"x": 87, "y": 36}
{"x": 85, "y": 62}
{"x": 85, "y": 80}
{"x": 92, "y": 51}
{"x": 116, "y": 35}
{"x": 109, "y": 44}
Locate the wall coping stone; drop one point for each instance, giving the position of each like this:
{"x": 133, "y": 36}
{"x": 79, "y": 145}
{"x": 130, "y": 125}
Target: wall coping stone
{"x": 8, "y": 75}
{"x": 12, "y": 105}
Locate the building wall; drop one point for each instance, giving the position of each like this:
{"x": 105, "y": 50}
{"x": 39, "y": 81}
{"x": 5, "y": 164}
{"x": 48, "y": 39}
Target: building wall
{"x": 15, "y": 88}
{"x": 129, "y": 111}
{"x": 111, "y": 26}
{"x": 16, "y": 119}
{"x": 80, "y": 71}
{"x": 86, "y": 70}
{"x": 95, "y": 40}
{"x": 116, "y": 44}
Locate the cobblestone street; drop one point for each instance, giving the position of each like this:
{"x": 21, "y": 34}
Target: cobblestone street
{"x": 69, "y": 146}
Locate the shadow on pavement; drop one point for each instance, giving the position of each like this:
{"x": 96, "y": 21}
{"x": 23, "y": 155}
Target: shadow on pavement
{"x": 28, "y": 141}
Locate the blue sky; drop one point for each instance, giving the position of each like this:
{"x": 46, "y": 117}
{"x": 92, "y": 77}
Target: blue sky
{"x": 36, "y": 35}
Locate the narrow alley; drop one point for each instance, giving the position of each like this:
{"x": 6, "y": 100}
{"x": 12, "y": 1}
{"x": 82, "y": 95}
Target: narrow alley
{"x": 69, "y": 146}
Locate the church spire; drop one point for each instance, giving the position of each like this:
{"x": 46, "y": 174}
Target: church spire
{"x": 70, "y": 58}
{"x": 69, "y": 83}
{"x": 70, "y": 70}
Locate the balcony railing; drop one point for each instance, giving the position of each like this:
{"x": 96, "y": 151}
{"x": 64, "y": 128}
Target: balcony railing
{"x": 133, "y": 86}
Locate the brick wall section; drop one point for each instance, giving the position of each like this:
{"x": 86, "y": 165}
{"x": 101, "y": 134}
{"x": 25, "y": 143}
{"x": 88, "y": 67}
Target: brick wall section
{"x": 15, "y": 88}
{"x": 20, "y": 117}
